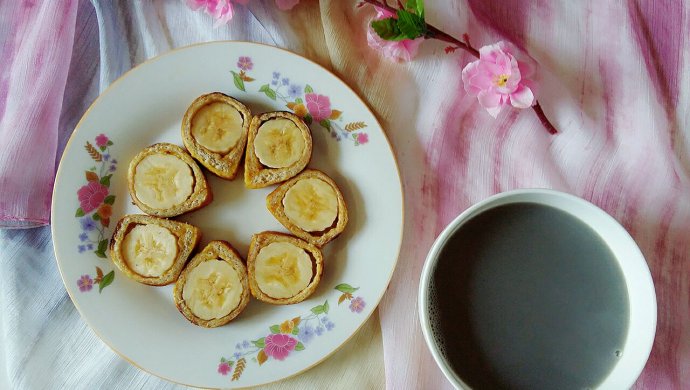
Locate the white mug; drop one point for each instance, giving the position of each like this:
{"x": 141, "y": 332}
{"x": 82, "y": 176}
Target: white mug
{"x": 638, "y": 281}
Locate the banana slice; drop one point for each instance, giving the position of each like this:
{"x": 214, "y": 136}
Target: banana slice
{"x": 149, "y": 250}
{"x": 311, "y": 204}
{"x": 282, "y": 269}
{"x": 217, "y": 127}
{"x": 162, "y": 181}
{"x": 213, "y": 289}
{"x": 279, "y": 143}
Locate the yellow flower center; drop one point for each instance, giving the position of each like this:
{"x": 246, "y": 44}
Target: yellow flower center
{"x": 501, "y": 80}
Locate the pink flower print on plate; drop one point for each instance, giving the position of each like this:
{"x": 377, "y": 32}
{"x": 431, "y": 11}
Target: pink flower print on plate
{"x": 278, "y": 346}
{"x": 357, "y": 305}
{"x": 85, "y": 283}
{"x": 223, "y": 368}
{"x": 91, "y": 196}
{"x": 245, "y": 63}
{"x": 319, "y": 106}
{"x": 102, "y": 140}
{"x": 362, "y": 138}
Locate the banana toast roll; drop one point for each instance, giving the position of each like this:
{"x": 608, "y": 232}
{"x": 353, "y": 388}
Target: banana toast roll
{"x": 282, "y": 268}
{"x": 311, "y": 206}
{"x": 214, "y": 131}
{"x": 165, "y": 181}
{"x": 279, "y": 146}
{"x": 212, "y": 289}
{"x": 152, "y": 250}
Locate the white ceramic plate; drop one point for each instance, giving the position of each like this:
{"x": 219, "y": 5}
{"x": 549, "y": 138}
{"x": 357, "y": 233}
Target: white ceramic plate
{"x": 265, "y": 343}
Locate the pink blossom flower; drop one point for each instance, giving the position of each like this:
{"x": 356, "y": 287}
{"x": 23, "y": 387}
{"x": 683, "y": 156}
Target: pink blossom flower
{"x": 223, "y": 368}
{"x": 399, "y": 51}
{"x": 279, "y": 345}
{"x": 245, "y": 63}
{"x": 91, "y": 196}
{"x": 362, "y": 138}
{"x": 85, "y": 283}
{"x": 101, "y": 140}
{"x": 221, "y": 10}
{"x": 319, "y": 106}
{"x": 498, "y": 78}
{"x": 286, "y": 5}
{"x": 357, "y": 305}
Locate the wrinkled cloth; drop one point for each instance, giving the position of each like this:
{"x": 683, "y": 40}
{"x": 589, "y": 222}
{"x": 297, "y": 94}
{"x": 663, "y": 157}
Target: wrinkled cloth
{"x": 613, "y": 82}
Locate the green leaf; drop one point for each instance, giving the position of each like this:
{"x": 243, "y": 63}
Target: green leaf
{"x": 105, "y": 180}
{"x": 275, "y": 329}
{"x": 110, "y": 143}
{"x": 222, "y": 360}
{"x": 106, "y": 281}
{"x": 299, "y": 101}
{"x": 264, "y": 88}
{"x": 102, "y": 148}
{"x": 416, "y": 6}
{"x": 387, "y": 29}
{"x": 299, "y": 347}
{"x": 79, "y": 213}
{"x": 325, "y": 307}
{"x": 411, "y": 26}
{"x": 295, "y": 330}
{"x": 326, "y": 124}
{"x": 100, "y": 254}
{"x": 270, "y": 93}
{"x": 103, "y": 245}
{"x": 260, "y": 343}
{"x": 110, "y": 199}
{"x": 308, "y": 89}
{"x": 96, "y": 217}
{"x": 346, "y": 288}
{"x": 317, "y": 309}
{"x": 308, "y": 119}
{"x": 239, "y": 83}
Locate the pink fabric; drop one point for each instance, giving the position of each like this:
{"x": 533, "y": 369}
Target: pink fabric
{"x": 614, "y": 83}
{"x": 34, "y": 61}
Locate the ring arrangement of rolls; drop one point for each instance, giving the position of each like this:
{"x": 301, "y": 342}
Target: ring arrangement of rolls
{"x": 212, "y": 285}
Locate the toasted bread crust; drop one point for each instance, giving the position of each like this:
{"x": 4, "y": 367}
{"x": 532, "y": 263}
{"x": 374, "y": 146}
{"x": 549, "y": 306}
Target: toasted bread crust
{"x": 188, "y": 237}
{"x": 222, "y": 165}
{"x": 257, "y": 175}
{"x": 214, "y": 250}
{"x": 261, "y": 240}
{"x": 274, "y": 203}
{"x": 201, "y": 193}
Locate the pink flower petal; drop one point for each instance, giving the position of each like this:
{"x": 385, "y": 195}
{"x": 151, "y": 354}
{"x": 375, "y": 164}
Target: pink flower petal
{"x": 469, "y": 72}
{"x": 522, "y": 97}
{"x": 284, "y": 5}
{"x": 382, "y": 13}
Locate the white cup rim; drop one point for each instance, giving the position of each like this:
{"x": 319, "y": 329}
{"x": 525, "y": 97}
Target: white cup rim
{"x": 639, "y": 284}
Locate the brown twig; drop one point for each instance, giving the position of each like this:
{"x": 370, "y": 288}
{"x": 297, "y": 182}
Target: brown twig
{"x": 435, "y": 33}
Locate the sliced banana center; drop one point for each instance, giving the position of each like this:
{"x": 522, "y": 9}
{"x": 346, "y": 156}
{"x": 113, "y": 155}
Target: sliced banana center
{"x": 212, "y": 290}
{"x": 162, "y": 181}
{"x": 282, "y": 269}
{"x": 217, "y": 127}
{"x": 149, "y": 250}
{"x": 279, "y": 143}
{"x": 311, "y": 204}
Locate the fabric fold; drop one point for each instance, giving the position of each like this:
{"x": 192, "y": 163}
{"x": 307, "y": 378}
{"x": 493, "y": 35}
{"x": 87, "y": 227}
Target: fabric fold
{"x": 37, "y": 41}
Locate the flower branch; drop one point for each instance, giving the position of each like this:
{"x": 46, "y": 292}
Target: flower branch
{"x": 497, "y": 80}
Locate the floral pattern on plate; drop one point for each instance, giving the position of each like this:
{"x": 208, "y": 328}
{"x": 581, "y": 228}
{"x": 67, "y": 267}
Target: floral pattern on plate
{"x": 304, "y": 102}
{"x": 290, "y": 336}
{"x": 95, "y": 210}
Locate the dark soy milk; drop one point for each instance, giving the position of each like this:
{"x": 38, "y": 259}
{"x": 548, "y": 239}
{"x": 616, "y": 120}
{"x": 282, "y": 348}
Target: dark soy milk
{"x": 526, "y": 296}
